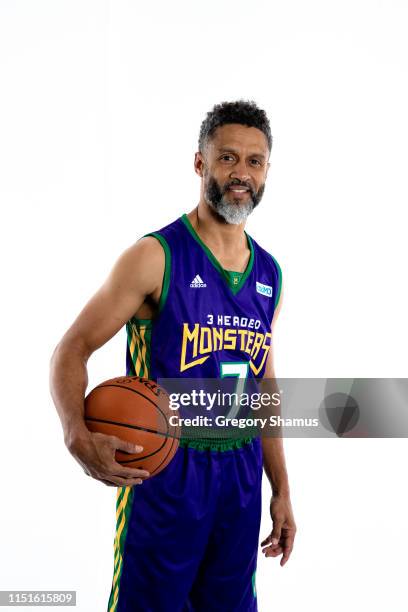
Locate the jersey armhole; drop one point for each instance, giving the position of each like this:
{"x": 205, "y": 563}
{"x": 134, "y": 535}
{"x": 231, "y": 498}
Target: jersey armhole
{"x": 279, "y": 282}
{"x": 167, "y": 268}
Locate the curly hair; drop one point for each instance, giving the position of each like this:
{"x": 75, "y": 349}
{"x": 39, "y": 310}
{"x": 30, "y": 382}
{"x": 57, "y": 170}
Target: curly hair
{"x": 244, "y": 112}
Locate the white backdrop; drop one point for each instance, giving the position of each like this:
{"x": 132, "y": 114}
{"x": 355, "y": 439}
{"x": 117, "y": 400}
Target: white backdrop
{"x": 100, "y": 107}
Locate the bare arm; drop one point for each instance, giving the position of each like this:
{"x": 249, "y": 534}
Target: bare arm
{"x": 282, "y": 536}
{"x": 136, "y": 274}
{"x": 272, "y": 447}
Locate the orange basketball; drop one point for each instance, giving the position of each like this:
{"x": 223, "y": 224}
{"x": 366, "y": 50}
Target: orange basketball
{"x": 137, "y": 410}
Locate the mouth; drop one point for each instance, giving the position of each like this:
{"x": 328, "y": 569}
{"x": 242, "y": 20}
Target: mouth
{"x": 239, "y": 192}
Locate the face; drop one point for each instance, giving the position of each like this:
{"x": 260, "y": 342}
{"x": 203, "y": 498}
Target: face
{"x": 234, "y": 166}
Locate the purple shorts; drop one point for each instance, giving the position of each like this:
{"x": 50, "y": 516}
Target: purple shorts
{"x": 187, "y": 539}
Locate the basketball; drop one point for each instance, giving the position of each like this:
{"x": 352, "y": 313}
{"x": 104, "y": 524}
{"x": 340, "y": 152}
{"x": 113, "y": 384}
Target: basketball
{"x": 137, "y": 410}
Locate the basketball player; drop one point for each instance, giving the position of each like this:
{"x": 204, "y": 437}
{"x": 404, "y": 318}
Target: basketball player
{"x": 187, "y": 538}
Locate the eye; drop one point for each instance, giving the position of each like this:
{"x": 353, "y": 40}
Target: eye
{"x": 256, "y": 162}
{"x": 227, "y": 157}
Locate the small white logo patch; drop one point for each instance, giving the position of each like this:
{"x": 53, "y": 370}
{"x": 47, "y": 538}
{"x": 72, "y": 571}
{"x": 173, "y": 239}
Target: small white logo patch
{"x": 264, "y": 289}
{"x": 198, "y": 282}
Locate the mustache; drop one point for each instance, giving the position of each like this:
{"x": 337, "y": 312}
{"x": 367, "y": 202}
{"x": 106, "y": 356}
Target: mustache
{"x": 237, "y": 184}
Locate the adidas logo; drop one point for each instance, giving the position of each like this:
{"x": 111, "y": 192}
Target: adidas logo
{"x": 197, "y": 282}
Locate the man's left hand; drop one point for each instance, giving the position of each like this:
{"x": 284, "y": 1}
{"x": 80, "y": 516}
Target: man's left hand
{"x": 283, "y": 533}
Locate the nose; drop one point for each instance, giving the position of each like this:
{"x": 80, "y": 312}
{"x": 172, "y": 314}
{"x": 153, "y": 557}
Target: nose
{"x": 240, "y": 171}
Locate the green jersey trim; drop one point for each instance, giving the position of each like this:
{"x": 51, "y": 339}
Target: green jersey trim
{"x": 215, "y": 445}
{"x": 233, "y": 277}
{"x": 253, "y": 580}
{"x": 233, "y": 287}
{"x": 167, "y": 268}
{"x": 279, "y": 280}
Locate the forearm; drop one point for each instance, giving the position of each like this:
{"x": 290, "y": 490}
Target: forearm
{"x": 272, "y": 443}
{"x": 68, "y": 382}
{"x": 274, "y": 465}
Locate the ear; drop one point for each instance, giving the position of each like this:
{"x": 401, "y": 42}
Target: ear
{"x": 267, "y": 169}
{"x": 199, "y": 164}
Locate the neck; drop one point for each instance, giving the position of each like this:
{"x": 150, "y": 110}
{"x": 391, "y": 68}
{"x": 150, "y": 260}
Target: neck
{"x": 216, "y": 232}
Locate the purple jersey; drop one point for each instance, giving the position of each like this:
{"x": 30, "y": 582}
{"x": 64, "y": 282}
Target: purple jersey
{"x": 206, "y": 316}
{"x": 211, "y": 323}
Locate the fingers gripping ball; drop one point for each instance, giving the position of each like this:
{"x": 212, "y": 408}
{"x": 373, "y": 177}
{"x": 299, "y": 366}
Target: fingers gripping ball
{"x": 136, "y": 410}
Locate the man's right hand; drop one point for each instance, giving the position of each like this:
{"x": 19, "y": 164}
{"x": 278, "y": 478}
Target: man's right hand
{"x": 95, "y": 452}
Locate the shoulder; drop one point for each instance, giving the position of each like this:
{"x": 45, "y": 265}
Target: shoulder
{"x": 146, "y": 249}
{"x": 152, "y": 251}
{"x": 153, "y": 246}
{"x": 142, "y": 261}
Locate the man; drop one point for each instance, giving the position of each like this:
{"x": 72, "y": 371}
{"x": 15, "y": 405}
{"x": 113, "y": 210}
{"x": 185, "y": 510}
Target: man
{"x": 187, "y": 539}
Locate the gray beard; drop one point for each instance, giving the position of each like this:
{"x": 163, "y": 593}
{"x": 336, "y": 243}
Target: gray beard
{"x": 232, "y": 213}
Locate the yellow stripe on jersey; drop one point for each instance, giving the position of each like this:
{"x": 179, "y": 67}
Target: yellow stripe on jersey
{"x": 138, "y": 334}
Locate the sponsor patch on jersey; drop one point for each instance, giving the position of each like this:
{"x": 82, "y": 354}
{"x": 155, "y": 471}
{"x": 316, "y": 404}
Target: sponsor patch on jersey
{"x": 264, "y": 289}
{"x": 198, "y": 282}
